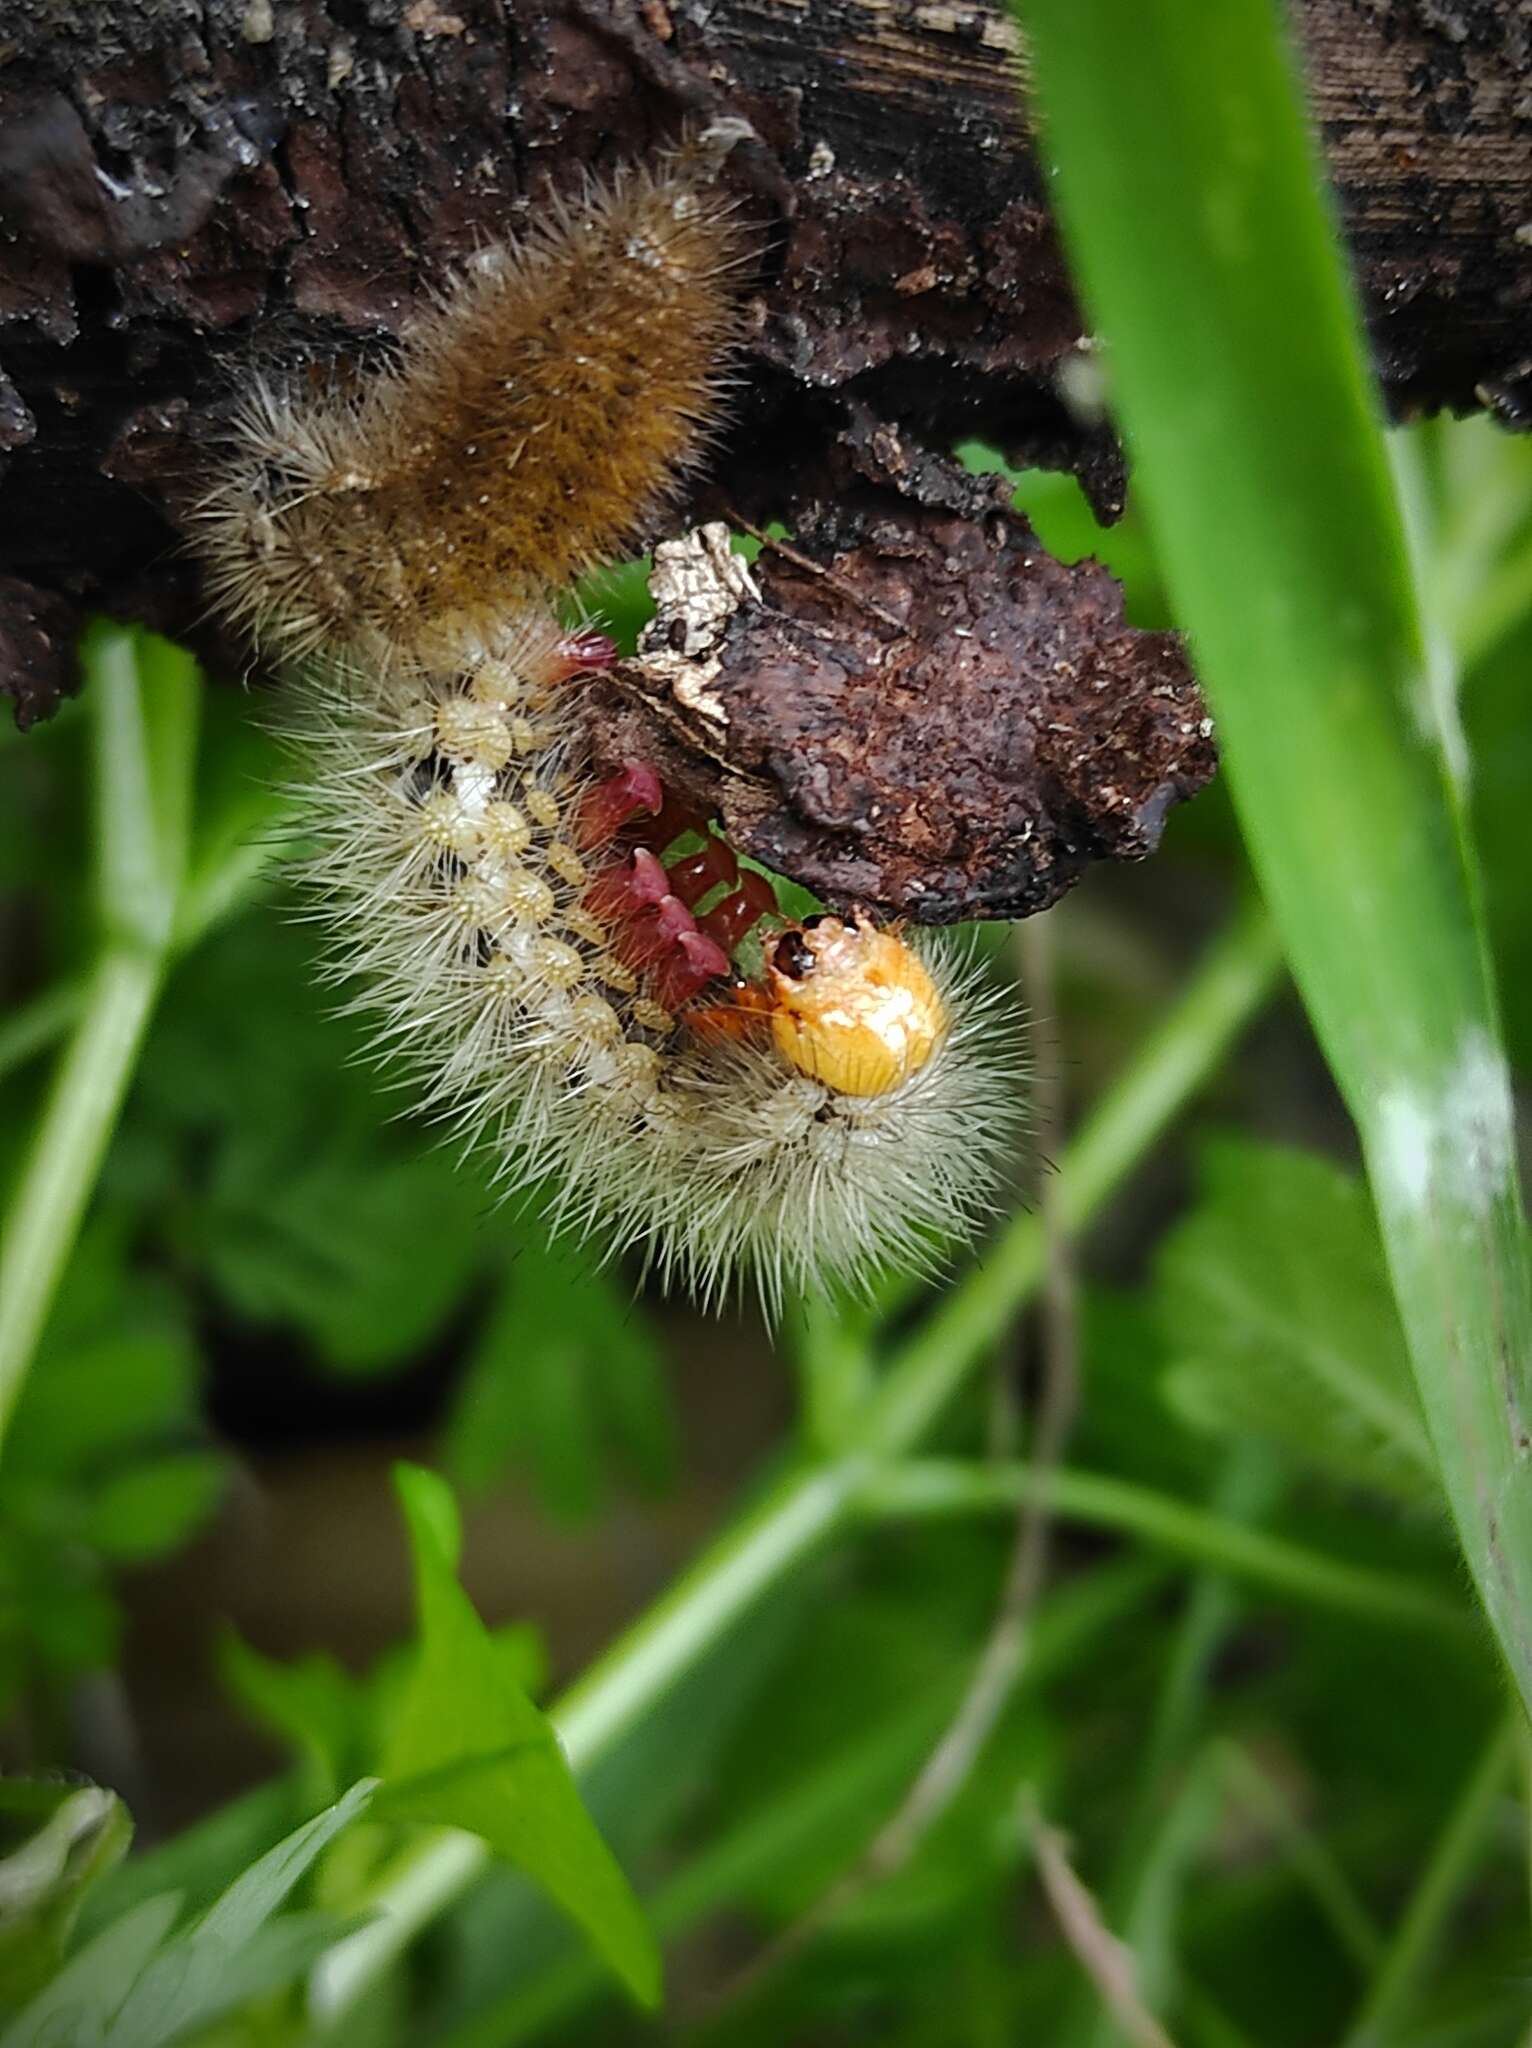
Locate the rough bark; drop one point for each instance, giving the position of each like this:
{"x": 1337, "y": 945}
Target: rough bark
{"x": 186, "y": 184}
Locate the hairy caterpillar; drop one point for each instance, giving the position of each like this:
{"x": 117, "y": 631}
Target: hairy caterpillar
{"x": 554, "y": 953}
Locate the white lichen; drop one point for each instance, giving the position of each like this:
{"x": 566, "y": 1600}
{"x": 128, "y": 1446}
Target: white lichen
{"x": 1453, "y": 1145}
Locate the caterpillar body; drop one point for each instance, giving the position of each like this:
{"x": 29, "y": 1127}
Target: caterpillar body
{"x": 553, "y": 952}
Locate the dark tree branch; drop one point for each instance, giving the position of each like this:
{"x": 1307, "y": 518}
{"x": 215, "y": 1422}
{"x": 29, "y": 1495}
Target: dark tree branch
{"x": 185, "y": 187}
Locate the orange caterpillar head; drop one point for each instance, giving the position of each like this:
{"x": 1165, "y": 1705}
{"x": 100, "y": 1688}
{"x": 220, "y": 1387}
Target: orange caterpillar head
{"x": 852, "y": 1006}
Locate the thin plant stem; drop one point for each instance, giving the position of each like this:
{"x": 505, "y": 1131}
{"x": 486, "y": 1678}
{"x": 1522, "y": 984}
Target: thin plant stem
{"x": 70, "y": 1143}
{"x": 938, "y": 1487}
{"x": 1003, "y": 1658}
{"x": 39, "y": 1024}
{"x": 1106, "y": 1960}
{"x": 835, "y": 1371}
{"x": 824, "y": 1801}
{"x": 1328, "y": 1884}
{"x": 805, "y": 1505}
{"x": 1455, "y": 1860}
{"x": 786, "y": 1525}
{"x": 1233, "y": 981}
{"x": 144, "y": 703}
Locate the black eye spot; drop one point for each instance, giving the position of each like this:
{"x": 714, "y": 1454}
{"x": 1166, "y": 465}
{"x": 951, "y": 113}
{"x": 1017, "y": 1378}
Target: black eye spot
{"x": 813, "y": 923}
{"x": 792, "y": 957}
{"x": 421, "y": 777}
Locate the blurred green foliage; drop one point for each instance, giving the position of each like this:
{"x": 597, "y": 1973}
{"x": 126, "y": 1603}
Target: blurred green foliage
{"x": 1239, "y": 1780}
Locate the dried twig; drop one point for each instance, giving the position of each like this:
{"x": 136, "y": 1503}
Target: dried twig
{"x": 1107, "y": 1961}
{"x": 799, "y": 560}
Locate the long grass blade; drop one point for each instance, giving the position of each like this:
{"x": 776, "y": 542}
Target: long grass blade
{"x": 1190, "y": 196}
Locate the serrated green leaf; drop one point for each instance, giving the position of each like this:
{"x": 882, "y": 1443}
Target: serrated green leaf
{"x": 332, "y": 1241}
{"x": 469, "y": 1750}
{"x": 565, "y": 1365}
{"x": 1273, "y": 1298}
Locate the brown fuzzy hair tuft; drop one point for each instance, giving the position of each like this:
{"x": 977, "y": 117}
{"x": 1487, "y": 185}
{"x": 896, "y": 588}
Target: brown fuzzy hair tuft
{"x": 534, "y": 419}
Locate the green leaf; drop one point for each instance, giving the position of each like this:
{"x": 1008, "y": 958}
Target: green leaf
{"x": 203, "y": 1859}
{"x": 565, "y": 1364}
{"x": 331, "y": 1239}
{"x": 56, "y": 1841}
{"x": 99, "y": 1398}
{"x": 151, "y": 1507}
{"x": 217, "y": 1961}
{"x": 311, "y": 1703}
{"x": 523, "y": 1654}
{"x": 56, "y": 1618}
{"x": 469, "y": 1750}
{"x": 97, "y": 1463}
{"x": 144, "y": 699}
{"x": 276, "y": 1954}
{"x": 75, "y": 2009}
{"x": 1274, "y": 1298}
{"x": 1126, "y": 1425}
{"x": 131, "y": 1987}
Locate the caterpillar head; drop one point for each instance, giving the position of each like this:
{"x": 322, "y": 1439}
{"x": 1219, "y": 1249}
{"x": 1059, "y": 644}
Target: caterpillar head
{"x": 852, "y": 1006}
